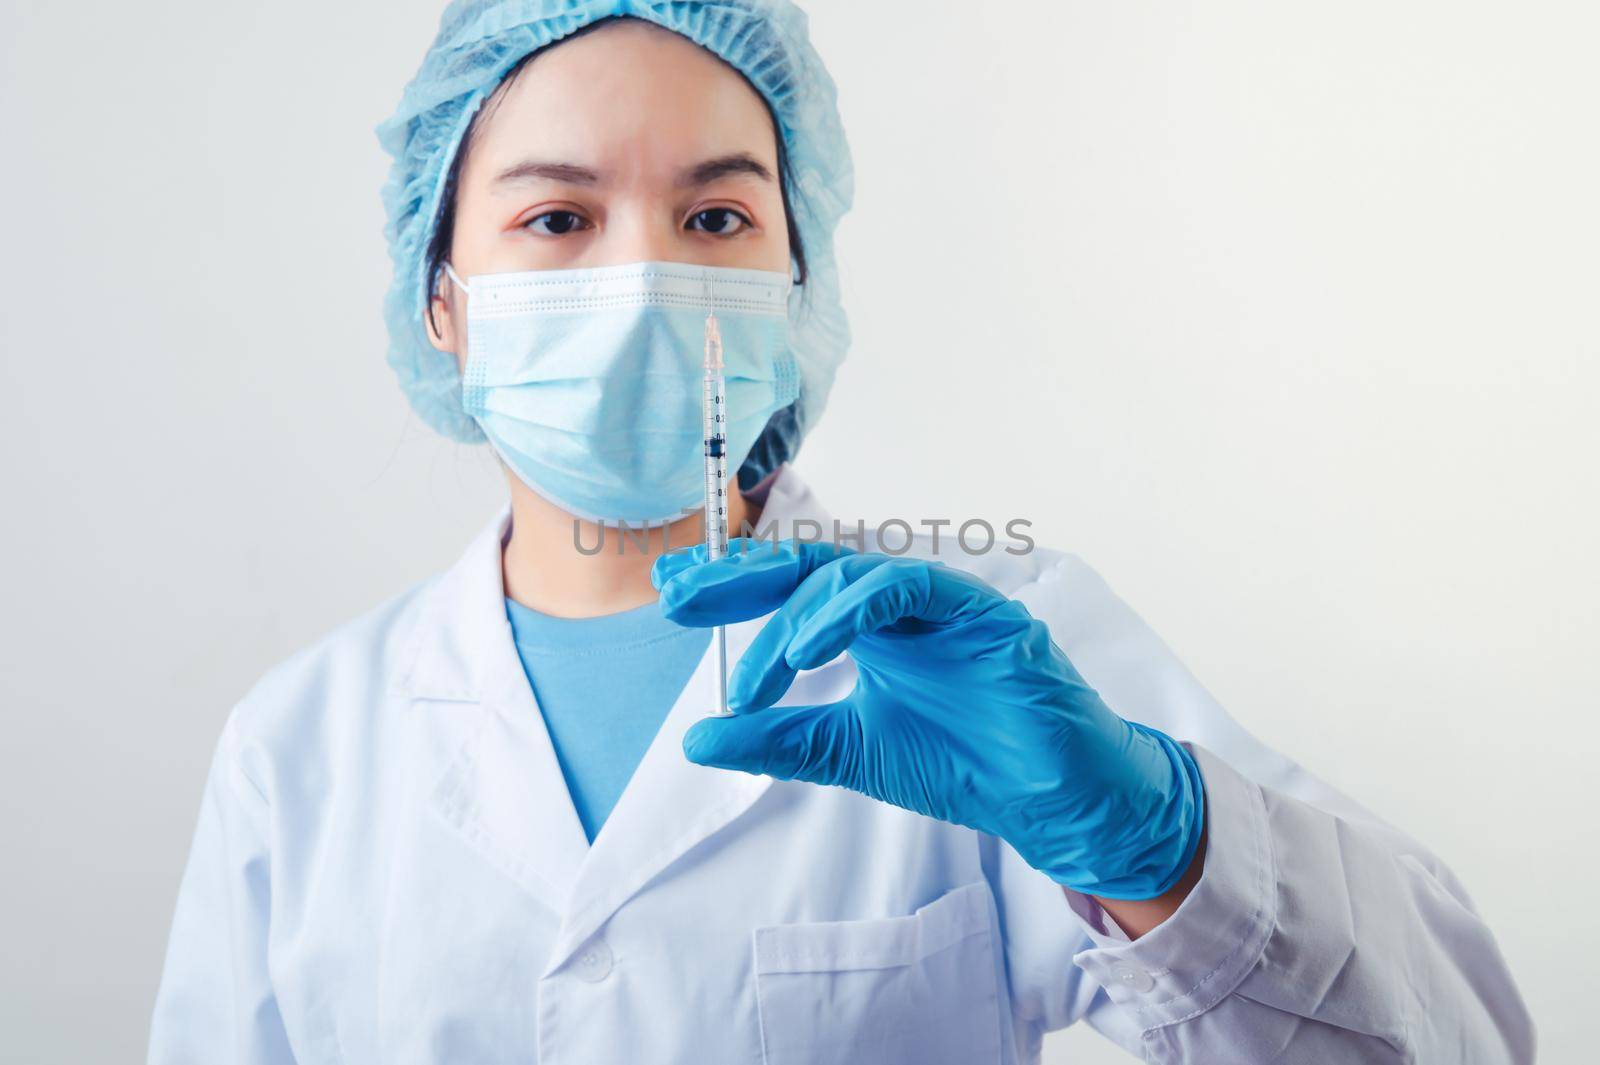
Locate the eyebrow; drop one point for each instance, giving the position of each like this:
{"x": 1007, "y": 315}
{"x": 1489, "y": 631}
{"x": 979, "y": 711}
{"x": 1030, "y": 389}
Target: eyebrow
{"x": 723, "y": 166}
{"x": 576, "y": 174}
{"x": 528, "y": 169}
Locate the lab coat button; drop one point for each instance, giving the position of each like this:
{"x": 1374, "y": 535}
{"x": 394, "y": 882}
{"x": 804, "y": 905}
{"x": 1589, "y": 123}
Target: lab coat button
{"x": 593, "y": 963}
{"x": 1133, "y": 979}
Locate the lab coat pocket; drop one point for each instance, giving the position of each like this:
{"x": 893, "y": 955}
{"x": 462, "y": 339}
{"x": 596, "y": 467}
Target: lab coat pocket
{"x": 921, "y": 988}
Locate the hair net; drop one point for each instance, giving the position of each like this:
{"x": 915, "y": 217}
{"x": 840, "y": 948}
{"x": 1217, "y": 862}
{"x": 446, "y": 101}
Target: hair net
{"x": 479, "y": 41}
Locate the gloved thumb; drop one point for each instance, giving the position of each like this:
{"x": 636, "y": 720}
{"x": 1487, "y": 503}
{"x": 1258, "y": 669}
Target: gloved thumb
{"x": 817, "y": 744}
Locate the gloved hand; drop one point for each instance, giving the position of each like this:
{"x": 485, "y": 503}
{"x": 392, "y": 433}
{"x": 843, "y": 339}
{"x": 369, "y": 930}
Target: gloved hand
{"x": 963, "y": 710}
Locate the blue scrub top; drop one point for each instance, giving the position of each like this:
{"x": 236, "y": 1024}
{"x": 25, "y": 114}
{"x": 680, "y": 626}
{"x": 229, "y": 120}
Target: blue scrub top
{"x": 604, "y": 685}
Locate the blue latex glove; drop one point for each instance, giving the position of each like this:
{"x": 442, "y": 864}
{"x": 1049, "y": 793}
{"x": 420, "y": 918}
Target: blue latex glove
{"x": 963, "y": 710}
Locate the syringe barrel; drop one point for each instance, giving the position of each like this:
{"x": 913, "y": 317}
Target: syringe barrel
{"x": 716, "y": 459}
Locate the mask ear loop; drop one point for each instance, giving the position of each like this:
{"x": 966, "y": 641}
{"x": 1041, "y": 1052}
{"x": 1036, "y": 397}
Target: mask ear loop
{"x": 455, "y": 279}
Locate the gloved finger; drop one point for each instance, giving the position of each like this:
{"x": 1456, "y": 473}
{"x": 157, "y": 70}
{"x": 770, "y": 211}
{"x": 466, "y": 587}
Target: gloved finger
{"x": 675, "y": 561}
{"x": 905, "y": 588}
{"x": 755, "y": 578}
{"x": 678, "y": 559}
{"x": 818, "y": 744}
{"x": 902, "y": 588}
{"x": 763, "y": 673}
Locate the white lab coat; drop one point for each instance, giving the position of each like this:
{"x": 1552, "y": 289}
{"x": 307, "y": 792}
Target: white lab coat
{"x": 388, "y": 869}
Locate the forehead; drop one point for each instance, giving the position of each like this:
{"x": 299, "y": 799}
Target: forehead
{"x": 627, "y": 96}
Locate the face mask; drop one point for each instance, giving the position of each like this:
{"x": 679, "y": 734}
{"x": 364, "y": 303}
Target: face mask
{"x": 588, "y": 383}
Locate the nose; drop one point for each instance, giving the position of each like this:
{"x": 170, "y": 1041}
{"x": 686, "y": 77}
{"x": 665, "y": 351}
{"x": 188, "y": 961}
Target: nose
{"x": 643, "y": 242}
{"x": 639, "y": 235}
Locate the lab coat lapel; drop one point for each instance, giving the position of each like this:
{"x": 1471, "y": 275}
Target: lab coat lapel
{"x": 671, "y": 804}
{"x": 500, "y": 788}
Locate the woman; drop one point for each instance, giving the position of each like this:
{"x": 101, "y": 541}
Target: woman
{"x": 492, "y": 821}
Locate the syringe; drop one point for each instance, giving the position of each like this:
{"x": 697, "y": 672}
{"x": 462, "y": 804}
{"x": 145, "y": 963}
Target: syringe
{"x": 715, "y": 421}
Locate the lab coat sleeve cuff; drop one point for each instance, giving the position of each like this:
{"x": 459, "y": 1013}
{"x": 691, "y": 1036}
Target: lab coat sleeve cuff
{"x": 1196, "y": 957}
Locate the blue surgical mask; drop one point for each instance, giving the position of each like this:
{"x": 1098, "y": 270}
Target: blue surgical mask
{"x": 588, "y": 383}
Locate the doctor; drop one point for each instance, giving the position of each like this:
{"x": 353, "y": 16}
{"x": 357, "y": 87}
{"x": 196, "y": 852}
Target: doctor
{"x": 964, "y": 799}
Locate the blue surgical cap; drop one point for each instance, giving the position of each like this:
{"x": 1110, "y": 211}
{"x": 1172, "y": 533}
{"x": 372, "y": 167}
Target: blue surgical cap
{"x": 478, "y": 43}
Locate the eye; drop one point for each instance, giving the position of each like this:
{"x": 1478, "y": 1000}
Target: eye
{"x": 719, "y": 221}
{"x": 556, "y": 223}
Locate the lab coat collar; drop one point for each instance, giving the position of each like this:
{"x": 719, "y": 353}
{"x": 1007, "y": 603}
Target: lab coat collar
{"x": 456, "y": 648}
{"x": 502, "y": 790}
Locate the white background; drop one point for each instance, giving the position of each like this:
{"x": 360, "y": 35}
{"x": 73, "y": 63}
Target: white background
{"x": 1281, "y": 314}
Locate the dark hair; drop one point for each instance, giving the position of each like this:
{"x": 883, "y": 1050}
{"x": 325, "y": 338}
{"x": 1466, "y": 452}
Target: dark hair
{"x": 445, "y": 223}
